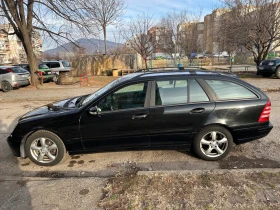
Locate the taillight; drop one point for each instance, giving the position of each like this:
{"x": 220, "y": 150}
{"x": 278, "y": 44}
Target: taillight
{"x": 9, "y": 70}
{"x": 265, "y": 113}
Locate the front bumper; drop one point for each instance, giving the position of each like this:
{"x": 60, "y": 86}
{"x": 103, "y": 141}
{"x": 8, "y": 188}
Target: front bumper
{"x": 267, "y": 69}
{"x": 244, "y": 135}
{"x": 14, "y": 145}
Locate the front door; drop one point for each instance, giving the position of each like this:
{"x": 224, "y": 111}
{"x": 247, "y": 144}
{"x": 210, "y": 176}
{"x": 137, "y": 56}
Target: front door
{"x": 122, "y": 119}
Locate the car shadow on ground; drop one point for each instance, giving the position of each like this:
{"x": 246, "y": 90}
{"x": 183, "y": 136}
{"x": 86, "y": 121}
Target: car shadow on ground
{"x": 14, "y": 193}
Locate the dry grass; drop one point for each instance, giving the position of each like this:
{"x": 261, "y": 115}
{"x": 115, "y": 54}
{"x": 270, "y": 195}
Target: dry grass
{"x": 204, "y": 191}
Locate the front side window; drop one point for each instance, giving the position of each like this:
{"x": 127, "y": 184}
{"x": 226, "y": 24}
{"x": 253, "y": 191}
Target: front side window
{"x": 174, "y": 91}
{"x": 54, "y": 65}
{"x": 228, "y": 90}
{"x": 131, "y": 96}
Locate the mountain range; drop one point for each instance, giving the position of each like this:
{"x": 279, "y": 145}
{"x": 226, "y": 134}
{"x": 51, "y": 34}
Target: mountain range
{"x": 92, "y": 46}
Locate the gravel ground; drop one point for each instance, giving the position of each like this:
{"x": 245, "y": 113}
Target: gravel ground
{"x": 264, "y": 83}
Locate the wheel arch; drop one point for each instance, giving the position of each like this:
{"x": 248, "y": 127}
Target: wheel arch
{"x": 216, "y": 124}
{"x": 26, "y": 136}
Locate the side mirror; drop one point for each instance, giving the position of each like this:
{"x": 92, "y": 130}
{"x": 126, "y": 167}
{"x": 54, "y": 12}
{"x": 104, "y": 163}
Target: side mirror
{"x": 94, "y": 110}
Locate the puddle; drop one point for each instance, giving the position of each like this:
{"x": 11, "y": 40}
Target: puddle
{"x": 84, "y": 192}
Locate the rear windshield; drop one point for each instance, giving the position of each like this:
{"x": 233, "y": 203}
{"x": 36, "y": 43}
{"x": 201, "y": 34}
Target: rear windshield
{"x": 43, "y": 66}
{"x": 18, "y": 70}
{"x": 66, "y": 64}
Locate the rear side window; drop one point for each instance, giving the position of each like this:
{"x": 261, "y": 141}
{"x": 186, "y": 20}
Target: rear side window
{"x": 197, "y": 94}
{"x": 228, "y": 90}
{"x": 170, "y": 92}
{"x": 66, "y": 64}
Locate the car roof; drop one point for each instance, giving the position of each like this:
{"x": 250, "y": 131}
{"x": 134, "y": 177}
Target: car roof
{"x": 9, "y": 66}
{"x": 53, "y": 61}
{"x": 190, "y": 72}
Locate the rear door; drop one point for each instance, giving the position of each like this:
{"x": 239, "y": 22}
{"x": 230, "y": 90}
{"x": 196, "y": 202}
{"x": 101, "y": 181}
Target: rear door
{"x": 178, "y": 106}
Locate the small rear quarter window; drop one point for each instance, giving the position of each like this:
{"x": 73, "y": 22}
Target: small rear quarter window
{"x": 226, "y": 90}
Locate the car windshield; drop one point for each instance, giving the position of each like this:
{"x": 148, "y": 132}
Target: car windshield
{"x": 108, "y": 87}
{"x": 18, "y": 70}
{"x": 66, "y": 64}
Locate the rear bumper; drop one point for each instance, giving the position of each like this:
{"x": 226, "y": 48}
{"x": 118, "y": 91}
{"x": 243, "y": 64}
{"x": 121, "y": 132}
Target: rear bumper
{"x": 19, "y": 83}
{"x": 244, "y": 135}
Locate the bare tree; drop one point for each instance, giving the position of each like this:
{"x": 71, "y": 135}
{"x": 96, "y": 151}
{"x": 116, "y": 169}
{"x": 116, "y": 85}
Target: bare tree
{"x": 136, "y": 35}
{"x": 57, "y": 19}
{"x": 179, "y": 41}
{"x": 255, "y": 25}
{"x": 225, "y": 34}
{"x": 104, "y": 13}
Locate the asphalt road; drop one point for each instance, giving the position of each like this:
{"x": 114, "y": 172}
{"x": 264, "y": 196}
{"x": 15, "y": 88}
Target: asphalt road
{"x": 78, "y": 170}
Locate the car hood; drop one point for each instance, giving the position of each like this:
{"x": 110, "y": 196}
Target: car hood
{"x": 51, "y": 109}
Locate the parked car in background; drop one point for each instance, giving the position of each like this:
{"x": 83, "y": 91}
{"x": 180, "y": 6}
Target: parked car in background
{"x": 13, "y": 77}
{"x": 200, "y": 56}
{"x": 202, "y": 110}
{"x": 47, "y": 74}
{"x": 270, "y": 67}
{"x": 58, "y": 65}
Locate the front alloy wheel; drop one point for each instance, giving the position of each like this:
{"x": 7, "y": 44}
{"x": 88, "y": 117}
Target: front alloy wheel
{"x": 213, "y": 143}
{"x": 45, "y": 148}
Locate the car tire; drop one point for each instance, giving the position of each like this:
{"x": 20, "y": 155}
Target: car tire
{"x": 45, "y": 148}
{"x": 6, "y": 86}
{"x": 213, "y": 143}
{"x": 266, "y": 74}
{"x": 277, "y": 73}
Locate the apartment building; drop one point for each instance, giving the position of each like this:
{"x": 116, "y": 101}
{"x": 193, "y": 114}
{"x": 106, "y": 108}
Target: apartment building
{"x": 163, "y": 39}
{"x": 11, "y": 48}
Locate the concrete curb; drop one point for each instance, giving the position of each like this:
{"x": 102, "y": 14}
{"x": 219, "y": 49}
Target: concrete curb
{"x": 216, "y": 171}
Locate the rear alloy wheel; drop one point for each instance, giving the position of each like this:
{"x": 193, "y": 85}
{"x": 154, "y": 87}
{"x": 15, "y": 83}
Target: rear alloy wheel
{"x": 266, "y": 74}
{"x": 277, "y": 73}
{"x": 6, "y": 86}
{"x": 45, "y": 148}
{"x": 213, "y": 143}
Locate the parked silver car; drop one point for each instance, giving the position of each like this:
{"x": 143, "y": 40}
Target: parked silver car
{"x": 58, "y": 65}
{"x": 13, "y": 77}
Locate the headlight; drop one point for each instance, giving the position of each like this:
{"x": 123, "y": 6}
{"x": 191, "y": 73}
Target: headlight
{"x": 271, "y": 63}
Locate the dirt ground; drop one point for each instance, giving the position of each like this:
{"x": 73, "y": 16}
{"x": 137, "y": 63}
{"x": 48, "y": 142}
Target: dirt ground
{"x": 138, "y": 179}
{"x": 235, "y": 190}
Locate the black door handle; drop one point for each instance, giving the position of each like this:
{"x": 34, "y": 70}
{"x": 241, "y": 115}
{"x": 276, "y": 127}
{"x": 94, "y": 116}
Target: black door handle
{"x": 139, "y": 116}
{"x": 197, "y": 110}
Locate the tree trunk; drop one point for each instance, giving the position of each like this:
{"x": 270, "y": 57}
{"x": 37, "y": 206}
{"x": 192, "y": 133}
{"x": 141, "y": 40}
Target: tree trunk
{"x": 32, "y": 59}
{"x": 146, "y": 65}
{"x": 105, "y": 42}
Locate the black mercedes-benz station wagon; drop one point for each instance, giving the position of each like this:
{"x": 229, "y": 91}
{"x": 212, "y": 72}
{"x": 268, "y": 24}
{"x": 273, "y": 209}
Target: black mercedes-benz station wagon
{"x": 204, "y": 111}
